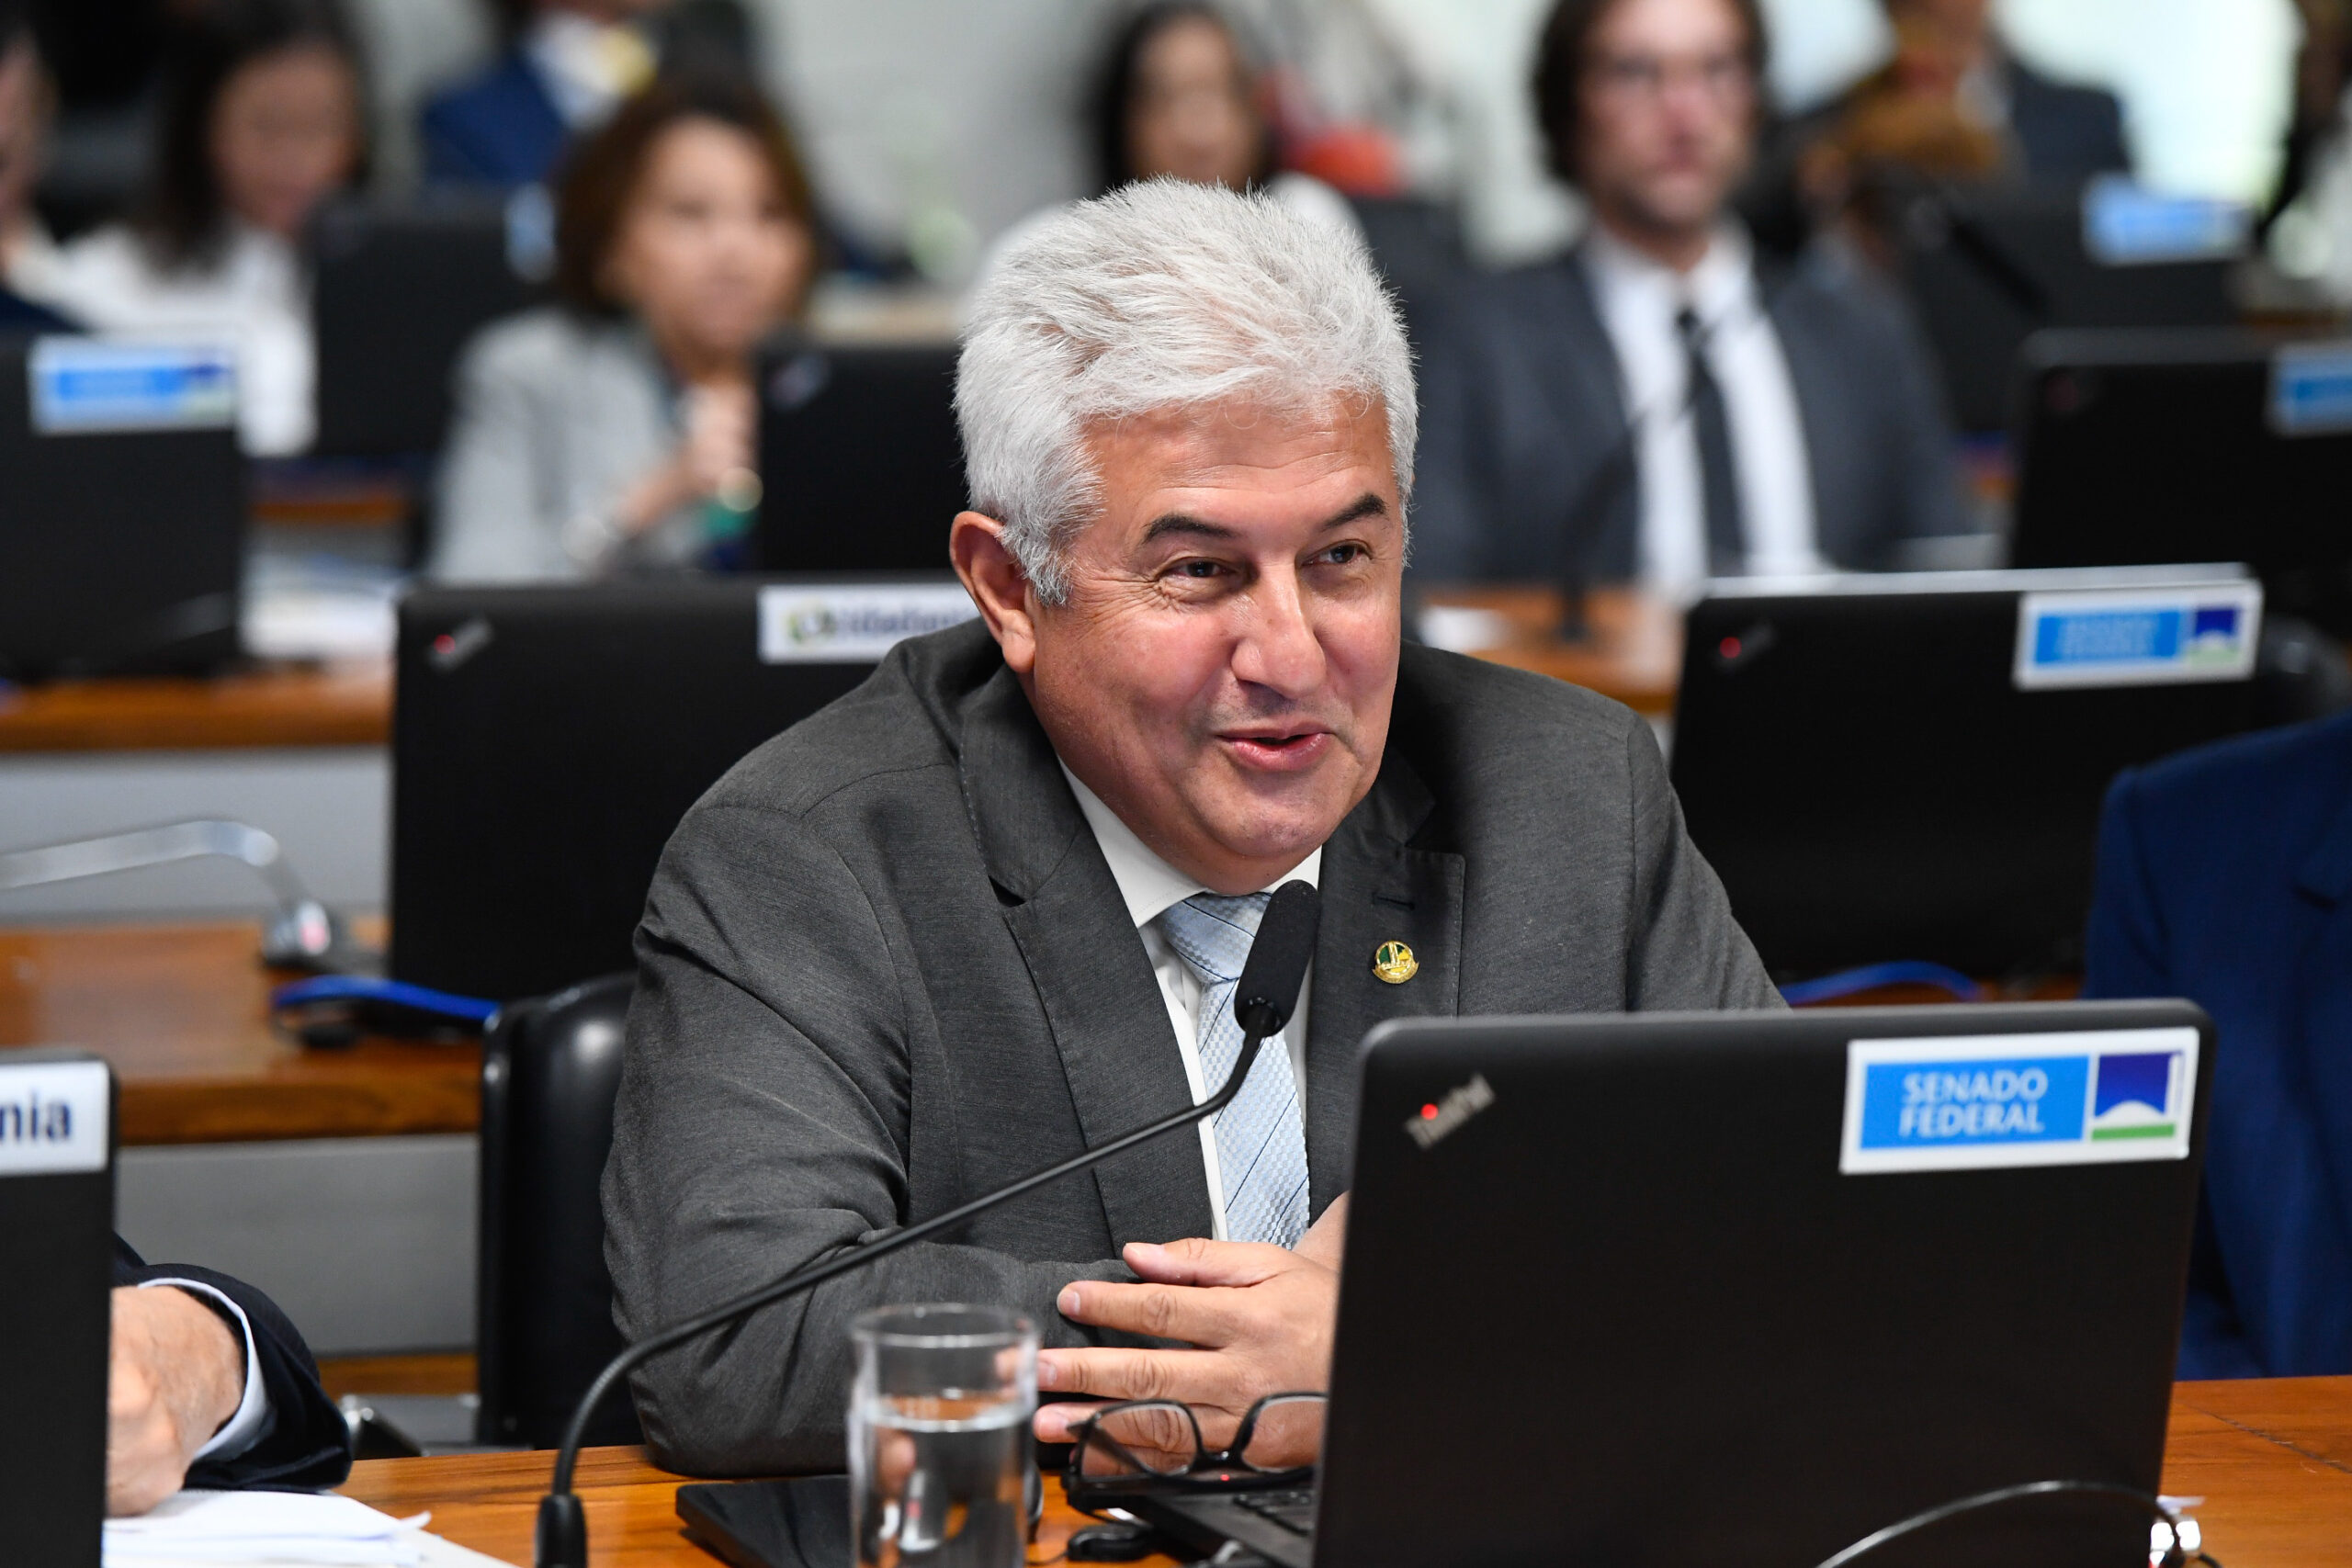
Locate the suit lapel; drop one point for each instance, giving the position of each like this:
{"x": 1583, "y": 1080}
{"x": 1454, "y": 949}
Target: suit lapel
{"x": 1585, "y": 374}
{"x": 1375, "y": 890}
{"x": 1816, "y": 375}
{"x": 1100, "y": 1000}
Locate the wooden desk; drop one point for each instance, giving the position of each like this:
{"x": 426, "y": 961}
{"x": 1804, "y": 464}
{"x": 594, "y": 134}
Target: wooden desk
{"x": 1633, "y": 652}
{"x": 337, "y": 705}
{"x": 2273, "y": 1461}
{"x": 181, "y": 1012}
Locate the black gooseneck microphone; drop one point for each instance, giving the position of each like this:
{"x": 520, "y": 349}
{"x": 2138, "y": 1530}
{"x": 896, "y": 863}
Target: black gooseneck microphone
{"x": 1264, "y": 999}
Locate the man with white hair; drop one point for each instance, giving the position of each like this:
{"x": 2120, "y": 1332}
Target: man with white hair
{"x": 983, "y": 911}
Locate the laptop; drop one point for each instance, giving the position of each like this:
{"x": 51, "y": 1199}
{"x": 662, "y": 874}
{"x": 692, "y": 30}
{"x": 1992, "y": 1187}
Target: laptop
{"x": 57, "y": 1143}
{"x": 2144, "y": 448}
{"x": 400, "y": 290}
{"x": 547, "y": 740}
{"x": 1984, "y": 270}
{"x": 1910, "y": 767}
{"x": 1747, "y": 1288}
{"x": 861, "y": 466}
{"x": 123, "y": 508}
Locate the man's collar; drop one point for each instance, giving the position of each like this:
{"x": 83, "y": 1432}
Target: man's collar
{"x": 1723, "y": 277}
{"x": 1149, "y": 885}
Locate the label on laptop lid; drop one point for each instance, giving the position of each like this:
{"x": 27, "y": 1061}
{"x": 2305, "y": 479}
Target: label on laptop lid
{"x": 1978, "y": 1102}
{"x": 2138, "y": 636}
{"x": 2126, "y": 224}
{"x": 2310, "y": 388}
{"x": 854, "y": 623}
{"x": 52, "y": 1117}
{"x": 90, "y": 386}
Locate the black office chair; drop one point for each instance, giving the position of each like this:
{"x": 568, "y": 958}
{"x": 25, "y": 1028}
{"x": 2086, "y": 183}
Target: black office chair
{"x": 550, "y": 1068}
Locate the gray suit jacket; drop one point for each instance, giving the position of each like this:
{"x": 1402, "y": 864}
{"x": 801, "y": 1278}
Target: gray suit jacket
{"x": 885, "y": 968}
{"x": 555, "y": 415}
{"x": 1524, "y": 425}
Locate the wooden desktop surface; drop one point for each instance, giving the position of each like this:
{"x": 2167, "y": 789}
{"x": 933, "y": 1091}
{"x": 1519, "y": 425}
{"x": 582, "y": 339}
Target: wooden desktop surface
{"x": 181, "y": 1011}
{"x": 2272, "y": 1459}
{"x": 272, "y": 706}
{"x": 1632, "y": 649}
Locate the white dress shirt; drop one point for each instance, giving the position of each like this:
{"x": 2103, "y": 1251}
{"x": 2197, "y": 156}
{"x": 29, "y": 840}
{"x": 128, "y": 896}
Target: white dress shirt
{"x": 244, "y": 1428}
{"x": 1151, "y": 886}
{"x": 1639, "y": 298}
{"x": 253, "y": 295}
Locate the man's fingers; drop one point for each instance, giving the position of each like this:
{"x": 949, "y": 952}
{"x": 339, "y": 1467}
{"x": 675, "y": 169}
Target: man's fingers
{"x": 1198, "y": 1262}
{"x": 1191, "y": 1377}
{"x": 1163, "y": 1312}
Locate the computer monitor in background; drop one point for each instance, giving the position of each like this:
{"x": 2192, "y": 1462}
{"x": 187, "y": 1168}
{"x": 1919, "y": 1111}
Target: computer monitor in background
{"x": 397, "y": 292}
{"x": 2142, "y": 448}
{"x": 1985, "y": 270}
{"x": 1911, "y": 767}
{"x": 123, "y": 508}
{"x": 861, "y": 467}
{"x": 547, "y": 740}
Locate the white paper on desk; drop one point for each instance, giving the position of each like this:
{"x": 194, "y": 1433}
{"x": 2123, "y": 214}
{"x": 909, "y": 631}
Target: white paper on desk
{"x": 264, "y": 1530}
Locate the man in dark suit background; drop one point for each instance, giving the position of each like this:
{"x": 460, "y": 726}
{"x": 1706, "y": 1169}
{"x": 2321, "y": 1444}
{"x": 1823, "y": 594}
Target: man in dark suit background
{"x": 565, "y": 65}
{"x": 2225, "y": 876}
{"x": 1659, "y": 403}
{"x": 2058, "y": 135}
{"x": 987, "y": 910}
{"x": 210, "y": 1385}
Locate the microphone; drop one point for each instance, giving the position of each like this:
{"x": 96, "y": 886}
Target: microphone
{"x": 1263, "y": 1001}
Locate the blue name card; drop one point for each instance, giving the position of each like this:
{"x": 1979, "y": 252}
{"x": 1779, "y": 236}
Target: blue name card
{"x": 88, "y": 386}
{"x": 851, "y": 623}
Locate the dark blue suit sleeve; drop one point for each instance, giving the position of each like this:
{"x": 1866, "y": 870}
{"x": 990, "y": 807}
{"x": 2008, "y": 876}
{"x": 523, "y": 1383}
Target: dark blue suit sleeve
{"x": 305, "y": 1446}
{"x": 2125, "y": 955}
{"x": 2124, "y": 950}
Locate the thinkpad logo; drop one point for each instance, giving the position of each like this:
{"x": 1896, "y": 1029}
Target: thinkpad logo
{"x": 1439, "y": 1118}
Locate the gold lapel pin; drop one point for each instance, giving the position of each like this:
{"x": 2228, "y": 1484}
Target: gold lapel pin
{"x": 1394, "y": 963}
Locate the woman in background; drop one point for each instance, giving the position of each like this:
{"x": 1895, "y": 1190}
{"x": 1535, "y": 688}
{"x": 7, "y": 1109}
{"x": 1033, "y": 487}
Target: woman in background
{"x": 260, "y": 122}
{"x": 613, "y": 433}
{"x": 1178, "y": 97}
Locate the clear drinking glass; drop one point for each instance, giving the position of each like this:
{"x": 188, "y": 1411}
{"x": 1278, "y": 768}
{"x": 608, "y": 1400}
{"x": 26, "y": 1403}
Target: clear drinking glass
{"x": 939, "y": 1449}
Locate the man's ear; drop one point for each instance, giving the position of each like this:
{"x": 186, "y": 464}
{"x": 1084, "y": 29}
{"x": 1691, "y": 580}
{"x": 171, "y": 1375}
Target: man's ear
{"x": 998, "y": 585}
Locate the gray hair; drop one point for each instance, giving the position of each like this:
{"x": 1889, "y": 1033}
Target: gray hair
{"x": 1161, "y": 296}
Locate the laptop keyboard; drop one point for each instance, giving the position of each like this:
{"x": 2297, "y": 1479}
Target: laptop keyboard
{"x": 1294, "y": 1510}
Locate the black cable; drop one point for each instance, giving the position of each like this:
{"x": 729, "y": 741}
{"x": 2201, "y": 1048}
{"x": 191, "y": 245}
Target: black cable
{"x": 2001, "y": 1494}
{"x": 1264, "y": 998}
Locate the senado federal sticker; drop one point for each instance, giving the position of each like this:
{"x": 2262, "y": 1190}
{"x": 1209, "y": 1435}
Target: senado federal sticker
{"x": 1975, "y": 1102}
{"x": 2137, "y": 637}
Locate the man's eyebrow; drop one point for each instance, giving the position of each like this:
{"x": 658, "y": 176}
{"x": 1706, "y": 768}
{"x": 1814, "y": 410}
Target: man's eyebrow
{"x": 1368, "y": 504}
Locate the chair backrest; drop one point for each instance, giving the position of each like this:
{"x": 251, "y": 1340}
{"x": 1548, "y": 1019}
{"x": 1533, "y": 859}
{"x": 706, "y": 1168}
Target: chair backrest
{"x": 544, "y": 1327}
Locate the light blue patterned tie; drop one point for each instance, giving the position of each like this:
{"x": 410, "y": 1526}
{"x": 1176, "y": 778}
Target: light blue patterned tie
{"x": 1261, "y": 1139}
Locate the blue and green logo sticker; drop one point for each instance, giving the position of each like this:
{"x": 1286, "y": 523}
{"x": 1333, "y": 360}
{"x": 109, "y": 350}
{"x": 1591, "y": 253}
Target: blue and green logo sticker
{"x": 1975, "y": 1102}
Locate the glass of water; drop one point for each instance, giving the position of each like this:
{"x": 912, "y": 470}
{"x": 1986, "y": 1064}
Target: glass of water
{"x": 939, "y": 1459}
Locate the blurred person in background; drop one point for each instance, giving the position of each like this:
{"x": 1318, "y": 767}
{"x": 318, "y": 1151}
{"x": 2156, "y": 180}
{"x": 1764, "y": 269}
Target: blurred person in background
{"x": 261, "y": 121}
{"x": 1972, "y": 109}
{"x": 1657, "y": 405}
{"x": 2308, "y": 231}
{"x": 27, "y": 104}
{"x": 567, "y": 64}
{"x": 2225, "y": 876}
{"x": 614, "y": 432}
{"x": 1179, "y": 97}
